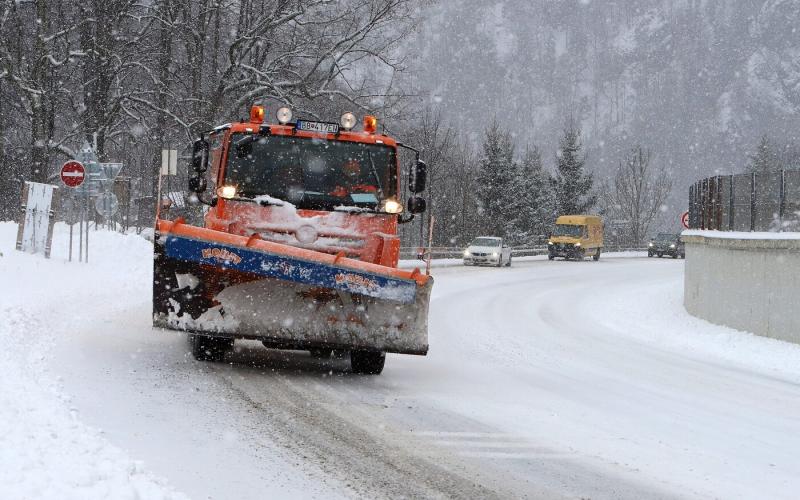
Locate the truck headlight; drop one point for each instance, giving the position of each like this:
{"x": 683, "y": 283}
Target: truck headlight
{"x": 348, "y": 121}
{"x": 650, "y": 244}
{"x": 494, "y": 254}
{"x": 578, "y": 244}
{"x": 284, "y": 115}
{"x": 466, "y": 253}
{"x": 549, "y": 242}
{"x": 672, "y": 246}
{"x": 391, "y": 206}
{"x": 227, "y": 192}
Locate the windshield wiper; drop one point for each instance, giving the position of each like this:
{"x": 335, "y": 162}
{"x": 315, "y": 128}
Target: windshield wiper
{"x": 375, "y": 174}
{"x": 262, "y": 202}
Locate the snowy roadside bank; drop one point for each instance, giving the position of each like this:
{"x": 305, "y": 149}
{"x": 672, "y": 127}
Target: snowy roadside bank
{"x": 45, "y": 450}
{"x": 655, "y": 314}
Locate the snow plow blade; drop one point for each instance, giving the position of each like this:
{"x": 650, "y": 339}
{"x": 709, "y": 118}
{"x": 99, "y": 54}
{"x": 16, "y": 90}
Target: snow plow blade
{"x": 225, "y": 285}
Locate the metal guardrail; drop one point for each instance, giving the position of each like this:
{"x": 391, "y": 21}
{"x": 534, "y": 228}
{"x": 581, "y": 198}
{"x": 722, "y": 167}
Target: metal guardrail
{"x": 747, "y": 202}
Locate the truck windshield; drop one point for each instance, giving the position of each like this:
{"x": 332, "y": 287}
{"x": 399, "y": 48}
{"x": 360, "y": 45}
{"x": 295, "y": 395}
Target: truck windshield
{"x": 485, "y": 242}
{"x": 311, "y": 173}
{"x": 571, "y": 230}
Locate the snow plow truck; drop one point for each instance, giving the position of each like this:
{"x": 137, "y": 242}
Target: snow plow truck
{"x": 298, "y": 244}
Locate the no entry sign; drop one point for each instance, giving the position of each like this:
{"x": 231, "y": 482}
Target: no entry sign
{"x": 685, "y": 219}
{"x": 73, "y": 174}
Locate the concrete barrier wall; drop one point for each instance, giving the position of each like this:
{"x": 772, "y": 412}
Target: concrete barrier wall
{"x": 745, "y": 282}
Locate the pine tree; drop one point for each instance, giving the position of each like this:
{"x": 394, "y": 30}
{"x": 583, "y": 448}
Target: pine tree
{"x": 535, "y": 204}
{"x": 573, "y": 186}
{"x": 764, "y": 160}
{"x": 495, "y": 182}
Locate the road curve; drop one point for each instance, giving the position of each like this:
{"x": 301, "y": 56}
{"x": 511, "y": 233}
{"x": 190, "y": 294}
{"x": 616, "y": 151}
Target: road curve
{"x": 529, "y": 391}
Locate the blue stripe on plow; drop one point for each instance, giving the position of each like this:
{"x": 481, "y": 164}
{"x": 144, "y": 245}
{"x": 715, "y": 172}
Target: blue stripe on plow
{"x": 290, "y": 269}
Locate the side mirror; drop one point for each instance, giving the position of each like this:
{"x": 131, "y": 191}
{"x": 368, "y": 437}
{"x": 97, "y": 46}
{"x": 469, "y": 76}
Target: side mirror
{"x": 417, "y": 177}
{"x": 416, "y": 205}
{"x": 197, "y": 184}
{"x": 200, "y": 156}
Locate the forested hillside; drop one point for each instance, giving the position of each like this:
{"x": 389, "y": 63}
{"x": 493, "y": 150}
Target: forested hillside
{"x": 697, "y": 82}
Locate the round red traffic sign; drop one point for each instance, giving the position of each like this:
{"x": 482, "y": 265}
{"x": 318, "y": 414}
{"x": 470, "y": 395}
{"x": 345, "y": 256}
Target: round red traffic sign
{"x": 73, "y": 174}
{"x": 685, "y": 220}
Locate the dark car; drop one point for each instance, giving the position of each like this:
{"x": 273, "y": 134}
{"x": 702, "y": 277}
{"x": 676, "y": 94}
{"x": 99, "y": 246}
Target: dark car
{"x": 666, "y": 244}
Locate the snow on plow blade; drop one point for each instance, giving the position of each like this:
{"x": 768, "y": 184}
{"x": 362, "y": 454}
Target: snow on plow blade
{"x": 211, "y": 282}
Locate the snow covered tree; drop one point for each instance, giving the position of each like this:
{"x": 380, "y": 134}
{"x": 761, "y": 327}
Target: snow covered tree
{"x": 572, "y": 185}
{"x": 638, "y": 193}
{"x": 495, "y": 182}
{"x": 765, "y": 160}
{"x": 535, "y": 203}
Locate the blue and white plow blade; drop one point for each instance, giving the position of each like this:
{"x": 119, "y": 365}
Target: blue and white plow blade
{"x": 294, "y": 302}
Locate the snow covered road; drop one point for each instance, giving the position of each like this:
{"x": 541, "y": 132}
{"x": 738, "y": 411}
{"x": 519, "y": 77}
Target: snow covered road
{"x": 545, "y": 380}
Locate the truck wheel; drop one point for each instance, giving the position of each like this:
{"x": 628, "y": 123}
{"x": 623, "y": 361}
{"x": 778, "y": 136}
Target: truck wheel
{"x": 550, "y": 256}
{"x": 508, "y": 264}
{"x": 205, "y": 348}
{"x": 649, "y": 254}
{"x": 660, "y": 255}
{"x": 675, "y": 255}
{"x": 367, "y": 362}
{"x": 596, "y": 255}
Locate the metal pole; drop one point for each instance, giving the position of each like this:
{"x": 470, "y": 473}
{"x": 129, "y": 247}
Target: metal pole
{"x": 430, "y": 249}
{"x": 87, "y": 236}
{"x": 732, "y": 206}
{"x": 70, "y": 242}
{"x": 782, "y": 209}
{"x": 753, "y": 201}
{"x": 80, "y": 232}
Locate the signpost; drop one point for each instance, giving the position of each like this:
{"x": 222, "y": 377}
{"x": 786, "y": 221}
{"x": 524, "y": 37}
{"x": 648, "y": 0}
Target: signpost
{"x": 73, "y": 174}
{"x": 106, "y": 205}
{"x": 685, "y": 219}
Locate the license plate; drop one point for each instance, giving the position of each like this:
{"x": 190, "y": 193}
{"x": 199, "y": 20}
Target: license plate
{"x": 326, "y": 128}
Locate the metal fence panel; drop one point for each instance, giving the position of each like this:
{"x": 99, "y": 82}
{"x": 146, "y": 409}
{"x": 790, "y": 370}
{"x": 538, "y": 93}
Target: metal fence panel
{"x": 791, "y": 205}
{"x": 742, "y": 188}
{"x": 747, "y": 202}
{"x": 725, "y": 213}
{"x": 767, "y": 201}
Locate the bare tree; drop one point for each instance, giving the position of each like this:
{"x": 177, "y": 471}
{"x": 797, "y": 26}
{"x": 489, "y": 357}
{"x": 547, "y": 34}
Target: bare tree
{"x": 638, "y": 192}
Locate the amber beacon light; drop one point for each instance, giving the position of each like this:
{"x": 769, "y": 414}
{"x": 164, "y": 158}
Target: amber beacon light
{"x": 370, "y": 124}
{"x": 257, "y": 114}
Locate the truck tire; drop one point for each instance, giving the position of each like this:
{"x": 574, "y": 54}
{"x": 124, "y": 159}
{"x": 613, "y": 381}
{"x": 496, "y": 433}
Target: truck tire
{"x": 367, "y": 362}
{"x": 660, "y": 255}
{"x": 205, "y": 348}
{"x": 550, "y": 256}
{"x": 508, "y": 264}
{"x": 596, "y": 255}
{"x": 675, "y": 255}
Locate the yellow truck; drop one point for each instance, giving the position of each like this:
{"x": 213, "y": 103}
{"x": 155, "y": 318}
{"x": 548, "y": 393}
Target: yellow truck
{"x": 576, "y": 237}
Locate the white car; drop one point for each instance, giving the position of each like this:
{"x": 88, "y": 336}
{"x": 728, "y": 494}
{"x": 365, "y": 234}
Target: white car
{"x": 489, "y": 251}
